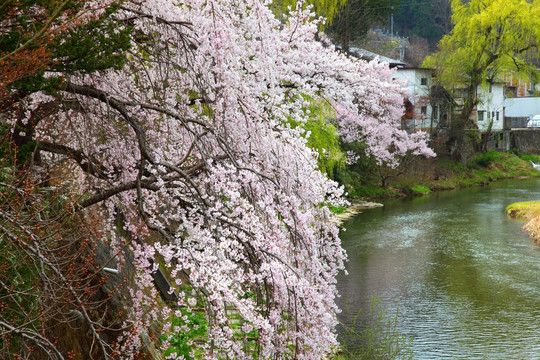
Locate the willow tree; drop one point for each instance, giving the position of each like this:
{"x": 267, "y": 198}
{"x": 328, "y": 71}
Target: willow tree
{"x": 489, "y": 38}
{"x": 325, "y": 8}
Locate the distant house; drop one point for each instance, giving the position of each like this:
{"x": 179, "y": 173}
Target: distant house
{"x": 422, "y": 112}
{"x": 516, "y": 87}
{"x": 490, "y": 110}
{"x": 522, "y": 101}
{"x": 419, "y": 112}
{"x": 519, "y": 110}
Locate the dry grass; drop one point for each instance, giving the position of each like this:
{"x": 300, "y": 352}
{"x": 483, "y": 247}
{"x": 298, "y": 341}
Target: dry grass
{"x": 533, "y": 229}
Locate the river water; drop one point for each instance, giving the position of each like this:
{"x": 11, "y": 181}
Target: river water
{"x": 465, "y": 278}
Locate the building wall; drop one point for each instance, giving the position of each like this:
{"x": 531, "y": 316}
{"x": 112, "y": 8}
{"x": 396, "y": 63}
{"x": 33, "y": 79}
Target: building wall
{"x": 419, "y": 81}
{"x": 522, "y": 107}
{"x": 519, "y": 87}
{"x": 490, "y": 108}
{"x": 525, "y": 141}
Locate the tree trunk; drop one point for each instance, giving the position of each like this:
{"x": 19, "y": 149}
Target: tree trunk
{"x": 458, "y": 127}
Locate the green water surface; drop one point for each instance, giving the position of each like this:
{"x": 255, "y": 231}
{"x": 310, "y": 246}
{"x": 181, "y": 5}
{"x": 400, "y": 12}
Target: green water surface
{"x": 465, "y": 277}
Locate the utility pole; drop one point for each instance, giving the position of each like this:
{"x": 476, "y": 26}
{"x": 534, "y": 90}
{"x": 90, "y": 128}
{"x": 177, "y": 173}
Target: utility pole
{"x": 392, "y": 23}
{"x": 401, "y": 49}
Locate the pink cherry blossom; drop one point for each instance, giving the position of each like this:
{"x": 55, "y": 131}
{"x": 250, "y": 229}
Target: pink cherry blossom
{"x": 190, "y": 145}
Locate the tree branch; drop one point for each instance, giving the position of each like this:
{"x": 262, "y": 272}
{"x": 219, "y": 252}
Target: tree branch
{"x": 87, "y": 163}
{"x": 119, "y": 106}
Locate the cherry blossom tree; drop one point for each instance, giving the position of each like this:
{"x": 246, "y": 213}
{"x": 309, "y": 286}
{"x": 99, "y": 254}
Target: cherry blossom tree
{"x": 187, "y": 156}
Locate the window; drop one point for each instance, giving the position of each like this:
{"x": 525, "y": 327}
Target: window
{"x": 435, "y": 112}
{"x": 423, "y": 81}
{"x": 423, "y": 110}
{"x": 481, "y": 115}
{"x": 497, "y": 114}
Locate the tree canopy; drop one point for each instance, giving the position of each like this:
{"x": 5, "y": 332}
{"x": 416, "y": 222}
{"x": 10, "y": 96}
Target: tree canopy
{"x": 325, "y": 8}
{"x": 489, "y": 38}
{"x": 183, "y": 154}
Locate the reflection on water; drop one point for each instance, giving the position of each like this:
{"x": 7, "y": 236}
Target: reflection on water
{"x": 465, "y": 277}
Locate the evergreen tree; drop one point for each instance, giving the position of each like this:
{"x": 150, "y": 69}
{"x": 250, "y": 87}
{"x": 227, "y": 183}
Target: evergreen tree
{"x": 430, "y": 20}
{"x": 355, "y": 18}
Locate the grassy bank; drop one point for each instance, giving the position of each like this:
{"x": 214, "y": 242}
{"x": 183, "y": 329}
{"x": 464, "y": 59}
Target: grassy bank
{"x": 527, "y": 210}
{"x": 530, "y": 211}
{"x": 422, "y": 176}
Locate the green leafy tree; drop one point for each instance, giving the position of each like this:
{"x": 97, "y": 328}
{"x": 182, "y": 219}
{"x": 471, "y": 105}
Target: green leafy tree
{"x": 326, "y": 8}
{"x": 489, "y": 38}
{"x": 322, "y": 135}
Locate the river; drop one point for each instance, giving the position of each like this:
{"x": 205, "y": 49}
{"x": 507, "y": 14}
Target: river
{"x": 464, "y": 276}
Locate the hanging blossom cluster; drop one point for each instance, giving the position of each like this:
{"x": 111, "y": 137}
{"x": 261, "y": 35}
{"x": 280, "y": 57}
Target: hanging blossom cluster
{"x": 189, "y": 144}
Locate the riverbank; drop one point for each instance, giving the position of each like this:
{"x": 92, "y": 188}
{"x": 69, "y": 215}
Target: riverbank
{"x": 423, "y": 176}
{"x": 353, "y": 210}
{"x": 529, "y": 211}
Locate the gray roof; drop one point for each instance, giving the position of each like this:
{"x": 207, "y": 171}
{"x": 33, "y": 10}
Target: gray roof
{"x": 368, "y": 55}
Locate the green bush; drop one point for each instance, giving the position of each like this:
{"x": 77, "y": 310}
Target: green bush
{"x": 322, "y": 135}
{"x": 185, "y": 329}
{"x": 336, "y": 209}
{"x": 372, "y": 191}
{"x": 528, "y": 157}
{"x": 486, "y": 158}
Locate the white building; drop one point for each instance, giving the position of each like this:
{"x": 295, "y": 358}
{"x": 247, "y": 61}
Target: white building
{"x": 522, "y": 107}
{"x": 418, "y": 81}
{"x": 491, "y": 107}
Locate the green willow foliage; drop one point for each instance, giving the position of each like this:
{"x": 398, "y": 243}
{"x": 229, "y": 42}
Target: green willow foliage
{"x": 322, "y": 136}
{"x": 489, "y": 39}
{"x": 326, "y": 8}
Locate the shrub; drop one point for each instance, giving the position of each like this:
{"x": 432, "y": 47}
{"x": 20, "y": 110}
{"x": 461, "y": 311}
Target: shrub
{"x": 528, "y": 157}
{"x": 185, "y": 329}
{"x": 486, "y": 158}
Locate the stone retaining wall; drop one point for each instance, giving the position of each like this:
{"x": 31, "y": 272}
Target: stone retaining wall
{"x": 526, "y": 141}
